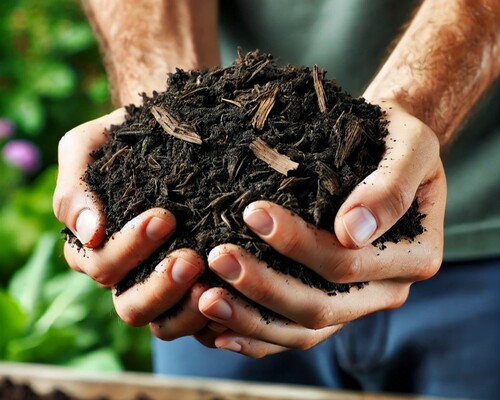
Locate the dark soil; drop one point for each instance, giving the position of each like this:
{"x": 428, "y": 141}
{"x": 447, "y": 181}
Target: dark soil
{"x": 15, "y": 391}
{"x": 10, "y": 390}
{"x": 219, "y": 139}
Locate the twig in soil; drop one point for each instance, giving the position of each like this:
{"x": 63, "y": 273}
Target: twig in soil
{"x": 259, "y": 68}
{"x": 241, "y": 201}
{"x": 172, "y": 127}
{"x": 200, "y": 223}
{"x": 320, "y": 92}
{"x": 233, "y": 102}
{"x": 186, "y": 180}
{"x": 219, "y": 200}
{"x": 265, "y": 106}
{"x": 290, "y": 181}
{"x": 225, "y": 220}
{"x": 155, "y": 165}
{"x": 200, "y": 89}
{"x": 278, "y": 162}
{"x": 112, "y": 159}
{"x": 129, "y": 187}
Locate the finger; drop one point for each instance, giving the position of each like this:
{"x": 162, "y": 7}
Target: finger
{"x": 126, "y": 249}
{"x": 239, "y": 316}
{"x": 321, "y": 252}
{"x": 290, "y": 297}
{"x": 380, "y": 200}
{"x": 186, "y": 321}
{"x": 250, "y": 347}
{"x": 73, "y": 204}
{"x": 164, "y": 287}
{"x": 209, "y": 333}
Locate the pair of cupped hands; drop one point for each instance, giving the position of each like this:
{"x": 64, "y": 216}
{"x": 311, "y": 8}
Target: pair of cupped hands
{"x": 410, "y": 168}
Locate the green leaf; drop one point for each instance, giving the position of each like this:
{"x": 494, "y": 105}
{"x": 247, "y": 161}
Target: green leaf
{"x": 26, "y": 110}
{"x": 13, "y": 320}
{"x": 50, "y": 347}
{"x": 26, "y": 284}
{"x": 98, "y": 90}
{"x": 73, "y": 37}
{"x": 69, "y": 305}
{"x": 99, "y": 360}
{"x": 53, "y": 79}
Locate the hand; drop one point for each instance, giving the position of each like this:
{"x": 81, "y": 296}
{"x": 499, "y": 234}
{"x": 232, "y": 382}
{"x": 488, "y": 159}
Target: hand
{"x": 107, "y": 262}
{"x": 411, "y": 167}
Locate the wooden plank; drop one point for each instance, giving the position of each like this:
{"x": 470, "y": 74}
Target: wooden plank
{"x": 130, "y": 386}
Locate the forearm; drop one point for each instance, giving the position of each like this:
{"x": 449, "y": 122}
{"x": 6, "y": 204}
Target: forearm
{"x": 143, "y": 40}
{"x": 446, "y": 59}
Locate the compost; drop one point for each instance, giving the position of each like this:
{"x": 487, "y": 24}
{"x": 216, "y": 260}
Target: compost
{"x": 216, "y": 140}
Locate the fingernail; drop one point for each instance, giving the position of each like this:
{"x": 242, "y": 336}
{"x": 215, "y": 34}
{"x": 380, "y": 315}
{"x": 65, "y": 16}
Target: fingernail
{"x": 183, "y": 271}
{"x": 232, "y": 346}
{"x": 225, "y": 265}
{"x": 86, "y": 225}
{"x": 258, "y": 219}
{"x": 219, "y": 309}
{"x": 360, "y": 224}
{"x": 157, "y": 229}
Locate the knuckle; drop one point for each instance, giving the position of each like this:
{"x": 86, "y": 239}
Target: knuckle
{"x": 399, "y": 297}
{"x": 259, "y": 352}
{"x": 290, "y": 243}
{"x": 399, "y": 197}
{"x": 159, "y": 330}
{"x": 252, "y": 328}
{"x": 131, "y": 250}
{"x": 306, "y": 344}
{"x": 259, "y": 292}
{"x": 429, "y": 269}
{"x": 130, "y": 316}
{"x": 101, "y": 275}
{"x": 319, "y": 319}
{"x": 345, "y": 270}
{"x": 60, "y": 203}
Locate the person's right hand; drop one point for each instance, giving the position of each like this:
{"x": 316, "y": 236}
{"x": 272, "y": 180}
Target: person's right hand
{"x": 108, "y": 261}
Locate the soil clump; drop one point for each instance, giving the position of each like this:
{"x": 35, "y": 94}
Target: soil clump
{"x": 218, "y": 139}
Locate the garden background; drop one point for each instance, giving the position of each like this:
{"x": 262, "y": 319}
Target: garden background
{"x": 51, "y": 79}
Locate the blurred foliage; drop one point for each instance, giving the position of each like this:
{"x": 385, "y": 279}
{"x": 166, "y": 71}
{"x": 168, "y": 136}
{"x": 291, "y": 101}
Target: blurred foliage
{"x": 50, "y": 75}
{"x": 51, "y": 79}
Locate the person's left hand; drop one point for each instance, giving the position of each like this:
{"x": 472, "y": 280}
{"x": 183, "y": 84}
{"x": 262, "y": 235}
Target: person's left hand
{"x": 411, "y": 167}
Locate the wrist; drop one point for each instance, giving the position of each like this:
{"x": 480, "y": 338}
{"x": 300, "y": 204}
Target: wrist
{"x": 143, "y": 40}
{"x": 444, "y": 62}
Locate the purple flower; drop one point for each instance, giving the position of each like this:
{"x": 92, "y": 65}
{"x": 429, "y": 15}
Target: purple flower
{"x": 22, "y": 154}
{"x": 7, "y": 128}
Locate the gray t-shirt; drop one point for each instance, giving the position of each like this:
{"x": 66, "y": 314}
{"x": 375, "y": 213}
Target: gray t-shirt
{"x": 350, "y": 39}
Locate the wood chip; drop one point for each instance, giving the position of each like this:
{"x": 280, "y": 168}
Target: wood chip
{"x": 352, "y": 136}
{"x": 172, "y": 127}
{"x": 320, "y": 91}
{"x": 328, "y": 179}
{"x": 265, "y": 107}
{"x": 271, "y": 157}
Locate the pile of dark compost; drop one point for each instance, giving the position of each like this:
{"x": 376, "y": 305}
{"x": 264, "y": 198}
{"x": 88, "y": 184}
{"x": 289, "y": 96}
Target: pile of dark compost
{"x": 218, "y": 139}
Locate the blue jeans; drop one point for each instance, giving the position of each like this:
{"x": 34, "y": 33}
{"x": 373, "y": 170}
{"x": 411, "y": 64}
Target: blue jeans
{"x": 445, "y": 341}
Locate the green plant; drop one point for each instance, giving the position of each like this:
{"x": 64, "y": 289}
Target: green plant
{"x": 51, "y": 79}
{"x": 52, "y": 314}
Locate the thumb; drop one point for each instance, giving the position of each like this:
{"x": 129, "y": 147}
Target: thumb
{"x": 77, "y": 208}
{"x": 381, "y": 199}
